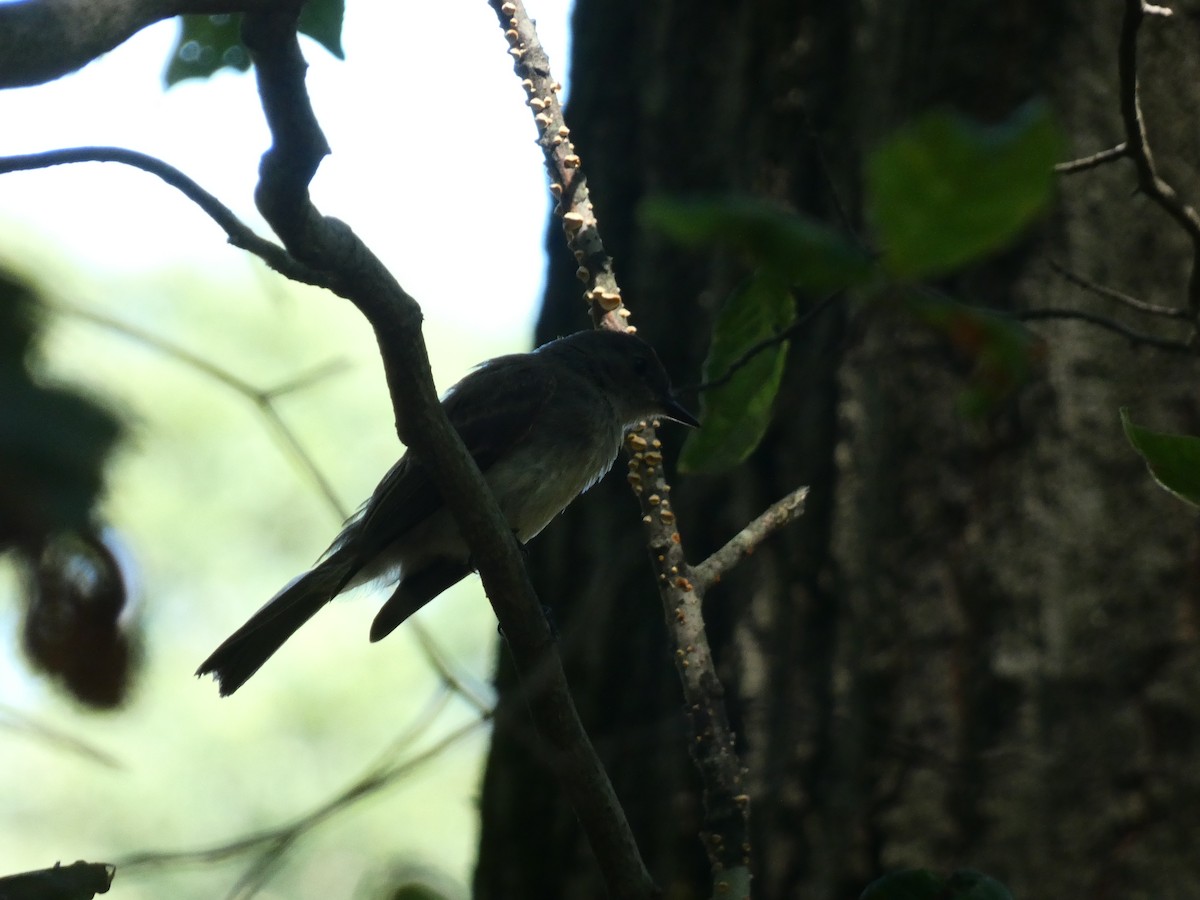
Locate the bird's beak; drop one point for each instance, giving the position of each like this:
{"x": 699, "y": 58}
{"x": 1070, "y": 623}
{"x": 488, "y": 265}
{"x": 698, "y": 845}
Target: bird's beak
{"x": 674, "y": 410}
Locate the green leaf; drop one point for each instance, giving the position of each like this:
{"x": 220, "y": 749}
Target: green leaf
{"x": 1173, "y": 459}
{"x": 921, "y": 884}
{"x": 207, "y": 44}
{"x": 799, "y": 251}
{"x": 736, "y": 414}
{"x": 945, "y": 191}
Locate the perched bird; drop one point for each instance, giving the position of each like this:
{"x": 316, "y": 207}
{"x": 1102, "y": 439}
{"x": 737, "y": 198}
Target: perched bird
{"x": 543, "y": 427}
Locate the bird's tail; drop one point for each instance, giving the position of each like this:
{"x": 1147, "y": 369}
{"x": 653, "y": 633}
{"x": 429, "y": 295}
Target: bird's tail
{"x": 243, "y": 652}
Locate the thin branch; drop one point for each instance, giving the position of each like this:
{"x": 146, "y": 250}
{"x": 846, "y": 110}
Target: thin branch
{"x": 240, "y": 235}
{"x": 1134, "y": 337}
{"x": 726, "y": 835}
{"x": 263, "y": 400}
{"x": 747, "y": 540}
{"x": 1169, "y": 312}
{"x": 16, "y": 721}
{"x": 568, "y": 183}
{"x": 1094, "y": 161}
{"x": 1149, "y": 181}
{"x": 376, "y": 778}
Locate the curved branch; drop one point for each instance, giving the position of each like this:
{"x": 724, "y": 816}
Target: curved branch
{"x": 353, "y": 272}
{"x": 41, "y": 40}
{"x": 240, "y": 235}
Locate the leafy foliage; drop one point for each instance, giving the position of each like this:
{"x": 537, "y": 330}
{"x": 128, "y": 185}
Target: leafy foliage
{"x": 942, "y": 193}
{"x": 1173, "y": 459}
{"x": 795, "y": 248}
{"x": 207, "y": 44}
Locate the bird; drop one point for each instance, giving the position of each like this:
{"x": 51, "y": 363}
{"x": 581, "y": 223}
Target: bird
{"x": 542, "y": 426}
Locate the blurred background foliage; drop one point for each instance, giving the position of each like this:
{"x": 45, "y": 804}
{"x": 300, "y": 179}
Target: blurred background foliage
{"x": 216, "y": 515}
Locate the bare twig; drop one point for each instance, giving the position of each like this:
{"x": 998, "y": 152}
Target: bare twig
{"x": 239, "y": 234}
{"x": 1095, "y": 160}
{"x": 1169, "y": 312}
{"x": 726, "y": 805}
{"x": 745, "y": 541}
{"x": 262, "y": 399}
{"x": 568, "y": 183}
{"x": 272, "y": 842}
{"x": 1134, "y": 337}
{"x": 16, "y": 721}
{"x": 1149, "y": 181}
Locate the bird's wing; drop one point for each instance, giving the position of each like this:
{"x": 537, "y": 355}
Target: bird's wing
{"x": 493, "y": 410}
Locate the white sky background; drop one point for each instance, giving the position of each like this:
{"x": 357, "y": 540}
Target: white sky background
{"x": 434, "y": 162}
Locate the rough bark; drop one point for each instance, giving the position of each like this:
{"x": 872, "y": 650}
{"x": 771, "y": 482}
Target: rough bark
{"x": 978, "y": 648}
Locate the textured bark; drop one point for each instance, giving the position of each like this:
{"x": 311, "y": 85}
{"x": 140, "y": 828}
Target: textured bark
{"x": 978, "y": 648}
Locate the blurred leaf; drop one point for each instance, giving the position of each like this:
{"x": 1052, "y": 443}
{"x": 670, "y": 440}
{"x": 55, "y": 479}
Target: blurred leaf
{"x": 73, "y": 629}
{"x": 921, "y": 884}
{"x": 799, "y": 251}
{"x": 944, "y": 191}
{"x": 53, "y": 448}
{"x": 207, "y": 44}
{"x": 967, "y": 884}
{"x": 1003, "y": 351}
{"x": 736, "y": 414}
{"x": 1173, "y": 459}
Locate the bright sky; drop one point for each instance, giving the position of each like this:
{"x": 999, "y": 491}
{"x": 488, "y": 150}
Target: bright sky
{"x": 434, "y": 162}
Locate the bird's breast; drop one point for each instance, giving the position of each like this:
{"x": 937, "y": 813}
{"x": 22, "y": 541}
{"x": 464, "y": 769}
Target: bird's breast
{"x": 540, "y": 478}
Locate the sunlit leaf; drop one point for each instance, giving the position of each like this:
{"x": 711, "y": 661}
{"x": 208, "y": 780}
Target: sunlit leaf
{"x": 945, "y": 191}
{"x": 798, "y": 250}
{"x": 1173, "y": 459}
{"x": 735, "y": 415}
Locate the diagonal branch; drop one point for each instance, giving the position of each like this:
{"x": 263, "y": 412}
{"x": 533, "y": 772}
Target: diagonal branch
{"x": 745, "y": 541}
{"x": 1120, "y": 151}
{"x": 1154, "y": 309}
{"x": 349, "y": 269}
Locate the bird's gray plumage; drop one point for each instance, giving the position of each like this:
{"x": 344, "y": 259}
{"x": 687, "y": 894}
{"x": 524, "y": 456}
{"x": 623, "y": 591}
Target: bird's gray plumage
{"x": 542, "y": 427}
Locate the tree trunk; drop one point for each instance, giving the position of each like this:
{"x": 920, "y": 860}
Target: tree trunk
{"x": 978, "y": 647}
